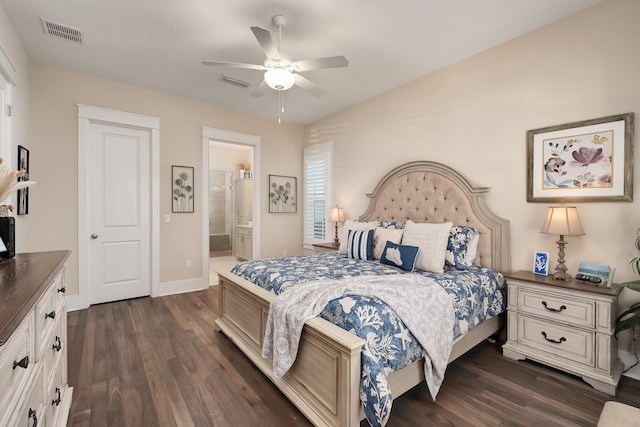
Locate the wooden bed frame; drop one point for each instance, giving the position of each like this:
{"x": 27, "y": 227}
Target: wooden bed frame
{"x": 324, "y": 382}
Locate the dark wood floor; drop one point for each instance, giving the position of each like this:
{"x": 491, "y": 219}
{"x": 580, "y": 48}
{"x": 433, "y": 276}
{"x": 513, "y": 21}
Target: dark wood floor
{"x": 160, "y": 362}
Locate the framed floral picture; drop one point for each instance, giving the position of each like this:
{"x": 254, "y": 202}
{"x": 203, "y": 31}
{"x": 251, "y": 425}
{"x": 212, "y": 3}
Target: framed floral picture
{"x": 588, "y": 161}
{"x": 541, "y": 263}
{"x": 283, "y": 196}
{"x": 182, "y": 189}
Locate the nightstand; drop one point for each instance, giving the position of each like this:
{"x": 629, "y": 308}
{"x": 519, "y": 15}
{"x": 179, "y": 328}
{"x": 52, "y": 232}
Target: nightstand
{"x": 564, "y": 324}
{"x": 325, "y": 247}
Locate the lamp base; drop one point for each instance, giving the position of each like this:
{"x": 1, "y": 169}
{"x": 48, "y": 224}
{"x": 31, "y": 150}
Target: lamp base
{"x": 561, "y": 268}
{"x": 336, "y": 241}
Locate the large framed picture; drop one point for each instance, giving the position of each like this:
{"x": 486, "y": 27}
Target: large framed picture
{"x": 283, "y": 194}
{"x": 23, "y": 193}
{"x": 182, "y": 189}
{"x": 588, "y": 161}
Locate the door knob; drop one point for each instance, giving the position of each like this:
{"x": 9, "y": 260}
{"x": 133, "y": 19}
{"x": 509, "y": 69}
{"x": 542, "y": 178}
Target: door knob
{"x": 94, "y": 236}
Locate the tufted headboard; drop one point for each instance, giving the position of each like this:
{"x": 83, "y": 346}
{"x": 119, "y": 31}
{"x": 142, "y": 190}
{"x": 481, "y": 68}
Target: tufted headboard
{"x": 425, "y": 191}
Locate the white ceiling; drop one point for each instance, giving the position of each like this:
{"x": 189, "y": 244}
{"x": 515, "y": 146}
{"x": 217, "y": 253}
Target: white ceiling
{"x": 160, "y": 44}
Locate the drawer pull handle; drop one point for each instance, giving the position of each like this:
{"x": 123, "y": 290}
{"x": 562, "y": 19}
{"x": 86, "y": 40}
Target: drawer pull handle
{"x": 32, "y": 414}
{"x": 58, "y": 399}
{"x": 557, "y": 310}
{"x": 560, "y": 341}
{"x": 51, "y": 315}
{"x": 24, "y": 363}
{"x": 58, "y": 345}
{"x": 62, "y": 289}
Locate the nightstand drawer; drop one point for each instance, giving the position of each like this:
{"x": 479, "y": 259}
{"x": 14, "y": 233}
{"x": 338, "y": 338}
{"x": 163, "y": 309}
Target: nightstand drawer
{"x": 557, "y": 307}
{"x": 559, "y": 341}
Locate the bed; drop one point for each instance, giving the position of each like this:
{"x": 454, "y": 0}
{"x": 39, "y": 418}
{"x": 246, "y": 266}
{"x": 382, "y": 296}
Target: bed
{"x": 324, "y": 382}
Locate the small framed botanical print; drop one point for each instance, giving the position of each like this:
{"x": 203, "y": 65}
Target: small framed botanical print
{"x": 541, "y": 263}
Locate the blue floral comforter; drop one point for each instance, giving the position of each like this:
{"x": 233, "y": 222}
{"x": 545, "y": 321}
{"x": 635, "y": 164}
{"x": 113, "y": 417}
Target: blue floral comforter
{"x": 476, "y": 294}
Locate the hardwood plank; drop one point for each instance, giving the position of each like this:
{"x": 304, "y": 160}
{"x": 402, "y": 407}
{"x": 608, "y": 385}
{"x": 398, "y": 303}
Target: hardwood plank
{"x": 160, "y": 362}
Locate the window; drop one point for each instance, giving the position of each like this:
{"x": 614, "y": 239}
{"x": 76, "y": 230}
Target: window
{"x": 317, "y": 192}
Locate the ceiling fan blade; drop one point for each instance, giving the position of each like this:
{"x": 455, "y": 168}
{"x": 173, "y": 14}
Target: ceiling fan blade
{"x": 266, "y": 41}
{"x": 234, "y": 65}
{"x": 316, "y": 64}
{"x": 260, "y": 89}
{"x": 309, "y": 86}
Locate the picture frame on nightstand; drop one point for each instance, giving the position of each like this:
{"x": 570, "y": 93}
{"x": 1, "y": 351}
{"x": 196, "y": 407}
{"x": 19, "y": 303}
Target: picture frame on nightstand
{"x": 541, "y": 263}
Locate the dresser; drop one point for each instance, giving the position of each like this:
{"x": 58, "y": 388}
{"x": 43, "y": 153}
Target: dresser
{"x": 568, "y": 325}
{"x": 33, "y": 340}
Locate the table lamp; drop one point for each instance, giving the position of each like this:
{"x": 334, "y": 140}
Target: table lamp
{"x": 565, "y": 222}
{"x": 336, "y": 216}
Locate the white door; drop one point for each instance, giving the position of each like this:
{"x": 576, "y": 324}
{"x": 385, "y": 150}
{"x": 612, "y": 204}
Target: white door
{"x": 119, "y": 213}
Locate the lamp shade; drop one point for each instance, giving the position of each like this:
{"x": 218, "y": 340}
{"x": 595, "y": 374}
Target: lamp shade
{"x": 337, "y": 215}
{"x": 279, "y": 79}
{"x": 563, "y": 221}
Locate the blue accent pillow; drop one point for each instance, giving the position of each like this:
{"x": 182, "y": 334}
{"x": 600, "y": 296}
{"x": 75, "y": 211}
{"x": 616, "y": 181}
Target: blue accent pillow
{"x": 360, "y": 244}
{"x": 396, "y": 225}
{"x": 401, "y": 256}
{"x": 459, "y": 238}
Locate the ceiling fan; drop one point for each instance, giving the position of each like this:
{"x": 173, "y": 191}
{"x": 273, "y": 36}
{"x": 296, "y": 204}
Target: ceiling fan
{"x": 281, "y": 72}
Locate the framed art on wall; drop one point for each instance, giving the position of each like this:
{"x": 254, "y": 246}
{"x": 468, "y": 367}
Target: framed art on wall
{"x": 282, "y": 194}
{"x": 587, "y": 161}
{"x": 182, "y": 190}
{"x": 23, "y": 193}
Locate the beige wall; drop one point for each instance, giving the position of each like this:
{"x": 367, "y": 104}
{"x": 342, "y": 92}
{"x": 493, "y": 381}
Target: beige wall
{"x": 474, "y": 115}
{"x": 53, "y": 142}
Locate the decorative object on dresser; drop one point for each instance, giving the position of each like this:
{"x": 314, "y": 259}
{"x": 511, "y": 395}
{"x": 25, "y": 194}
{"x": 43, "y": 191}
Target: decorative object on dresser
{"x": 588, "y": 161}
{"x": 565, "y": 222}
{"x": 33, "y": 340}
{"x": 23, "y": 193}
{"x": 10, "y": 181}
{"x": 336, "y": 216}
{"x": 564, "y": 324}
{"x": 541, "y": 263}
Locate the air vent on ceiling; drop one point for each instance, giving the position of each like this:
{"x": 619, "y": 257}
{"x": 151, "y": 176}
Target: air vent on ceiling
{"x": 234, "y": 81}
{"x": 62, "y": 31}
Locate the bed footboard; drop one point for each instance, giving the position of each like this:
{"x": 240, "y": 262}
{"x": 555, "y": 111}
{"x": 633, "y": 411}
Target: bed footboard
{"x": 324, "y": 382}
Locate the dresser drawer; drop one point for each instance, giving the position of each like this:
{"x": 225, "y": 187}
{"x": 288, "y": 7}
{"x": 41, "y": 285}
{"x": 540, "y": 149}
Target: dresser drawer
{"x": 32, "y": 411}
{"x": 19, "y": 349}
{"x": 572, "y": 310}
{"x": 46, "y": 318}
{"x": 559, "y": 341}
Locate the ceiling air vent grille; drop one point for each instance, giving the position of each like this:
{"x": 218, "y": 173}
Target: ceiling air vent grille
{"x": 63, "y": 31}
{"x": 234, "y": 81}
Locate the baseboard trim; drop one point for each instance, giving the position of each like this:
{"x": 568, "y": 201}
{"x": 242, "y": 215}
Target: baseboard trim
{"x": 78, "y": 302}
{"x": 180, "y": 287}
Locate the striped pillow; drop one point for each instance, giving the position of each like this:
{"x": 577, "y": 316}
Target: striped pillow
{"x": 360, "y": 244}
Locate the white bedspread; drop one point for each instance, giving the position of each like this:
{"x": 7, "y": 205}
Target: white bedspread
{"x": 421, "y": 303}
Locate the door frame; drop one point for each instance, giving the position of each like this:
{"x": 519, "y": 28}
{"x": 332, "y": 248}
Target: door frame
{"x": 236, "y": 138}
{"x": 86, "y": 116}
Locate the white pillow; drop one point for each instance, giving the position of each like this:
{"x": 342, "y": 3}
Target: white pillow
{"x": 384, "y": 235}
{"x": 432, "y": 240}
{"x": 356, "y": 226}
{"x": 472, "y": 249}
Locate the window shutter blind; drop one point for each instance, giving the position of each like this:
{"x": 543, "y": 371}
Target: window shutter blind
{"x": 316, "y": 193}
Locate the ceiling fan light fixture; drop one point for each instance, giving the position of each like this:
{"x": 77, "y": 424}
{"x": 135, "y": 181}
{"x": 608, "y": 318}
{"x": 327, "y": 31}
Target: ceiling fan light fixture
{"x": 279, "y": 79}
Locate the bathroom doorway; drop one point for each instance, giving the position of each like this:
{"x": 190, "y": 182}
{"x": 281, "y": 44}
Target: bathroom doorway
{"x": 230, "y": 205}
